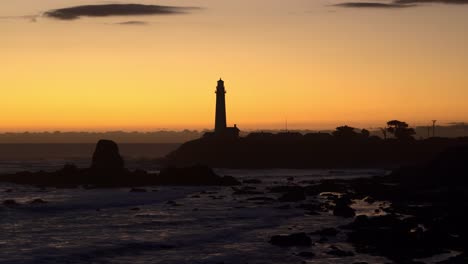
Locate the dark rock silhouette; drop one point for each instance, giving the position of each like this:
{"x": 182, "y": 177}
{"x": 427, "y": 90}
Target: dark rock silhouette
{"x": 38, "y": 201}
{"x": 297, "y": 239}
{"x": 106, "y": 157}
{"x": 10, "y": 203}
{"x": 433, "y": 199}
{"x": 107, "y": 170}
{"x": 342, "y": 208}
{"x": 346, "y": 148}
{"x": 293, "y": 195}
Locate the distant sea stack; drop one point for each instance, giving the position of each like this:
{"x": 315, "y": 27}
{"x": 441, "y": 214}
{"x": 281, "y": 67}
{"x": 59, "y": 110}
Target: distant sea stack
{"x": 107, "y": 170}
{"x": 107, "y": 157}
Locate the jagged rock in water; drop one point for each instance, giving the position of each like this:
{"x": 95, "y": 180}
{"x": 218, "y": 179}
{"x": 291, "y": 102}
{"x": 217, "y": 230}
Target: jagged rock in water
{"x": 106, "y": 157}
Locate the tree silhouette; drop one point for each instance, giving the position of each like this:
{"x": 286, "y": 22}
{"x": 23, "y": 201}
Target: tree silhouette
{"x": 345, "y": 131}
{"x": 400, "y": 130}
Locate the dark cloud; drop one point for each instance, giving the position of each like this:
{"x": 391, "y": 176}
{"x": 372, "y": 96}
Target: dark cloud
{"x": 133, "y": 23}
{"x": 113, "y": 10}
{"x": 398, "y": 3}
{"x": 453, "y": 2}
{"x": 372, "y": 5}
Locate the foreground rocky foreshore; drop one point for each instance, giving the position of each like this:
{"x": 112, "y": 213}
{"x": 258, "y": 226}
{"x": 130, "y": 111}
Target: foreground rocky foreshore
{"x": 427, "y": 212}
{"x": 419, "y": 212}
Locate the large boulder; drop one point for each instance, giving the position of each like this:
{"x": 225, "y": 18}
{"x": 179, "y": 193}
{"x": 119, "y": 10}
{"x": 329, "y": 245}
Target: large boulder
{"x": 106, "y": 157}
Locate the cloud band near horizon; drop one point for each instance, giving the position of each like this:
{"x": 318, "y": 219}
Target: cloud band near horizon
{"x": 396, "y": 4}
{"x": 77, "y": 12}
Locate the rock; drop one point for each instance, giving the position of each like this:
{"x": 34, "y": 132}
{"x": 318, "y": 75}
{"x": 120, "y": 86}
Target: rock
{"x": 135, "y": 209}
{"x": 38, "y": 201}
{"x": 293, "y": 195}
{"x": 297, "y": 239}
{"x": 9, "y": 190}
{"x": 10, "y": 202}
{"x": 106, "y": 157}
{"x": 335, "y": 251}
{"x": 342, "y": 208}
{"x": 290, "y": 178}
{"x": 369, "y": 200}
{"x": 306, "y": 254}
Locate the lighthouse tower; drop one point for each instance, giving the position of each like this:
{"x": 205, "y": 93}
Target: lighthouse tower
{"x": 220, "y": 119}
{"x": 221, "y": 128}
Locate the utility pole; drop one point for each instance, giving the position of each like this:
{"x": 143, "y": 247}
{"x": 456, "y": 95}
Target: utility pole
{"x": 433, "y": 127}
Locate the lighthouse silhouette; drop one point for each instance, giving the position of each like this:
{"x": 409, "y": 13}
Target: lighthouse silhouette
{"x": 221, "y": 128}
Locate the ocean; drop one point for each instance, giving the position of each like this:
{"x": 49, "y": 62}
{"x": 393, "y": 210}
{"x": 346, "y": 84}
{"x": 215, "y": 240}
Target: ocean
{"x": 169, "y": 224}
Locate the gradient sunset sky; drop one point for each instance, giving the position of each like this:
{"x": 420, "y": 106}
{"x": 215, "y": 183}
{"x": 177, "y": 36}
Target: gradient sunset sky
{"x": 316, "y": 63}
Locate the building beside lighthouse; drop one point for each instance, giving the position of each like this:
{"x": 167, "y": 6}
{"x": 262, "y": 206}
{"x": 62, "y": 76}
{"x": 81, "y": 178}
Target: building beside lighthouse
{"x": 221, "y": 129}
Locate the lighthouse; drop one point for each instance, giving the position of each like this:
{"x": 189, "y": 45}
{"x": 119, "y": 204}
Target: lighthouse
{"x": 221, "y": 128}
{"x": 220, "y": 118}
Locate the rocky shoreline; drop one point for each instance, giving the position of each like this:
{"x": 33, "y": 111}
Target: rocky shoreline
{"x": 419, "y": 211}
{"x": 108, "y": 170}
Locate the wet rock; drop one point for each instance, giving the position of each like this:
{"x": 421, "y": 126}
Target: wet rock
{"x": 9, "y": 190}
{"x": 106, "y": 157}
{"x": 296, "y": 239}
{"x": 335, "y": 251}
{"x": 293, "y": 195}
{"x": 343, "y": 209}
{"x": 459, "y": 259}
{"x": 369, "y": 200}
{"x": 38, "y": 201}
{"x": 306, "y": 254}
{"x": 290, "y": 178}
{"x": 135, "y": 209}
{"x": 10, "y": 202}
{"x": 397, "y": 239}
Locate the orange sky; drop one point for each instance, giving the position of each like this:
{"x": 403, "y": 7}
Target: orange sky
{"x": 316, "y": 65}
